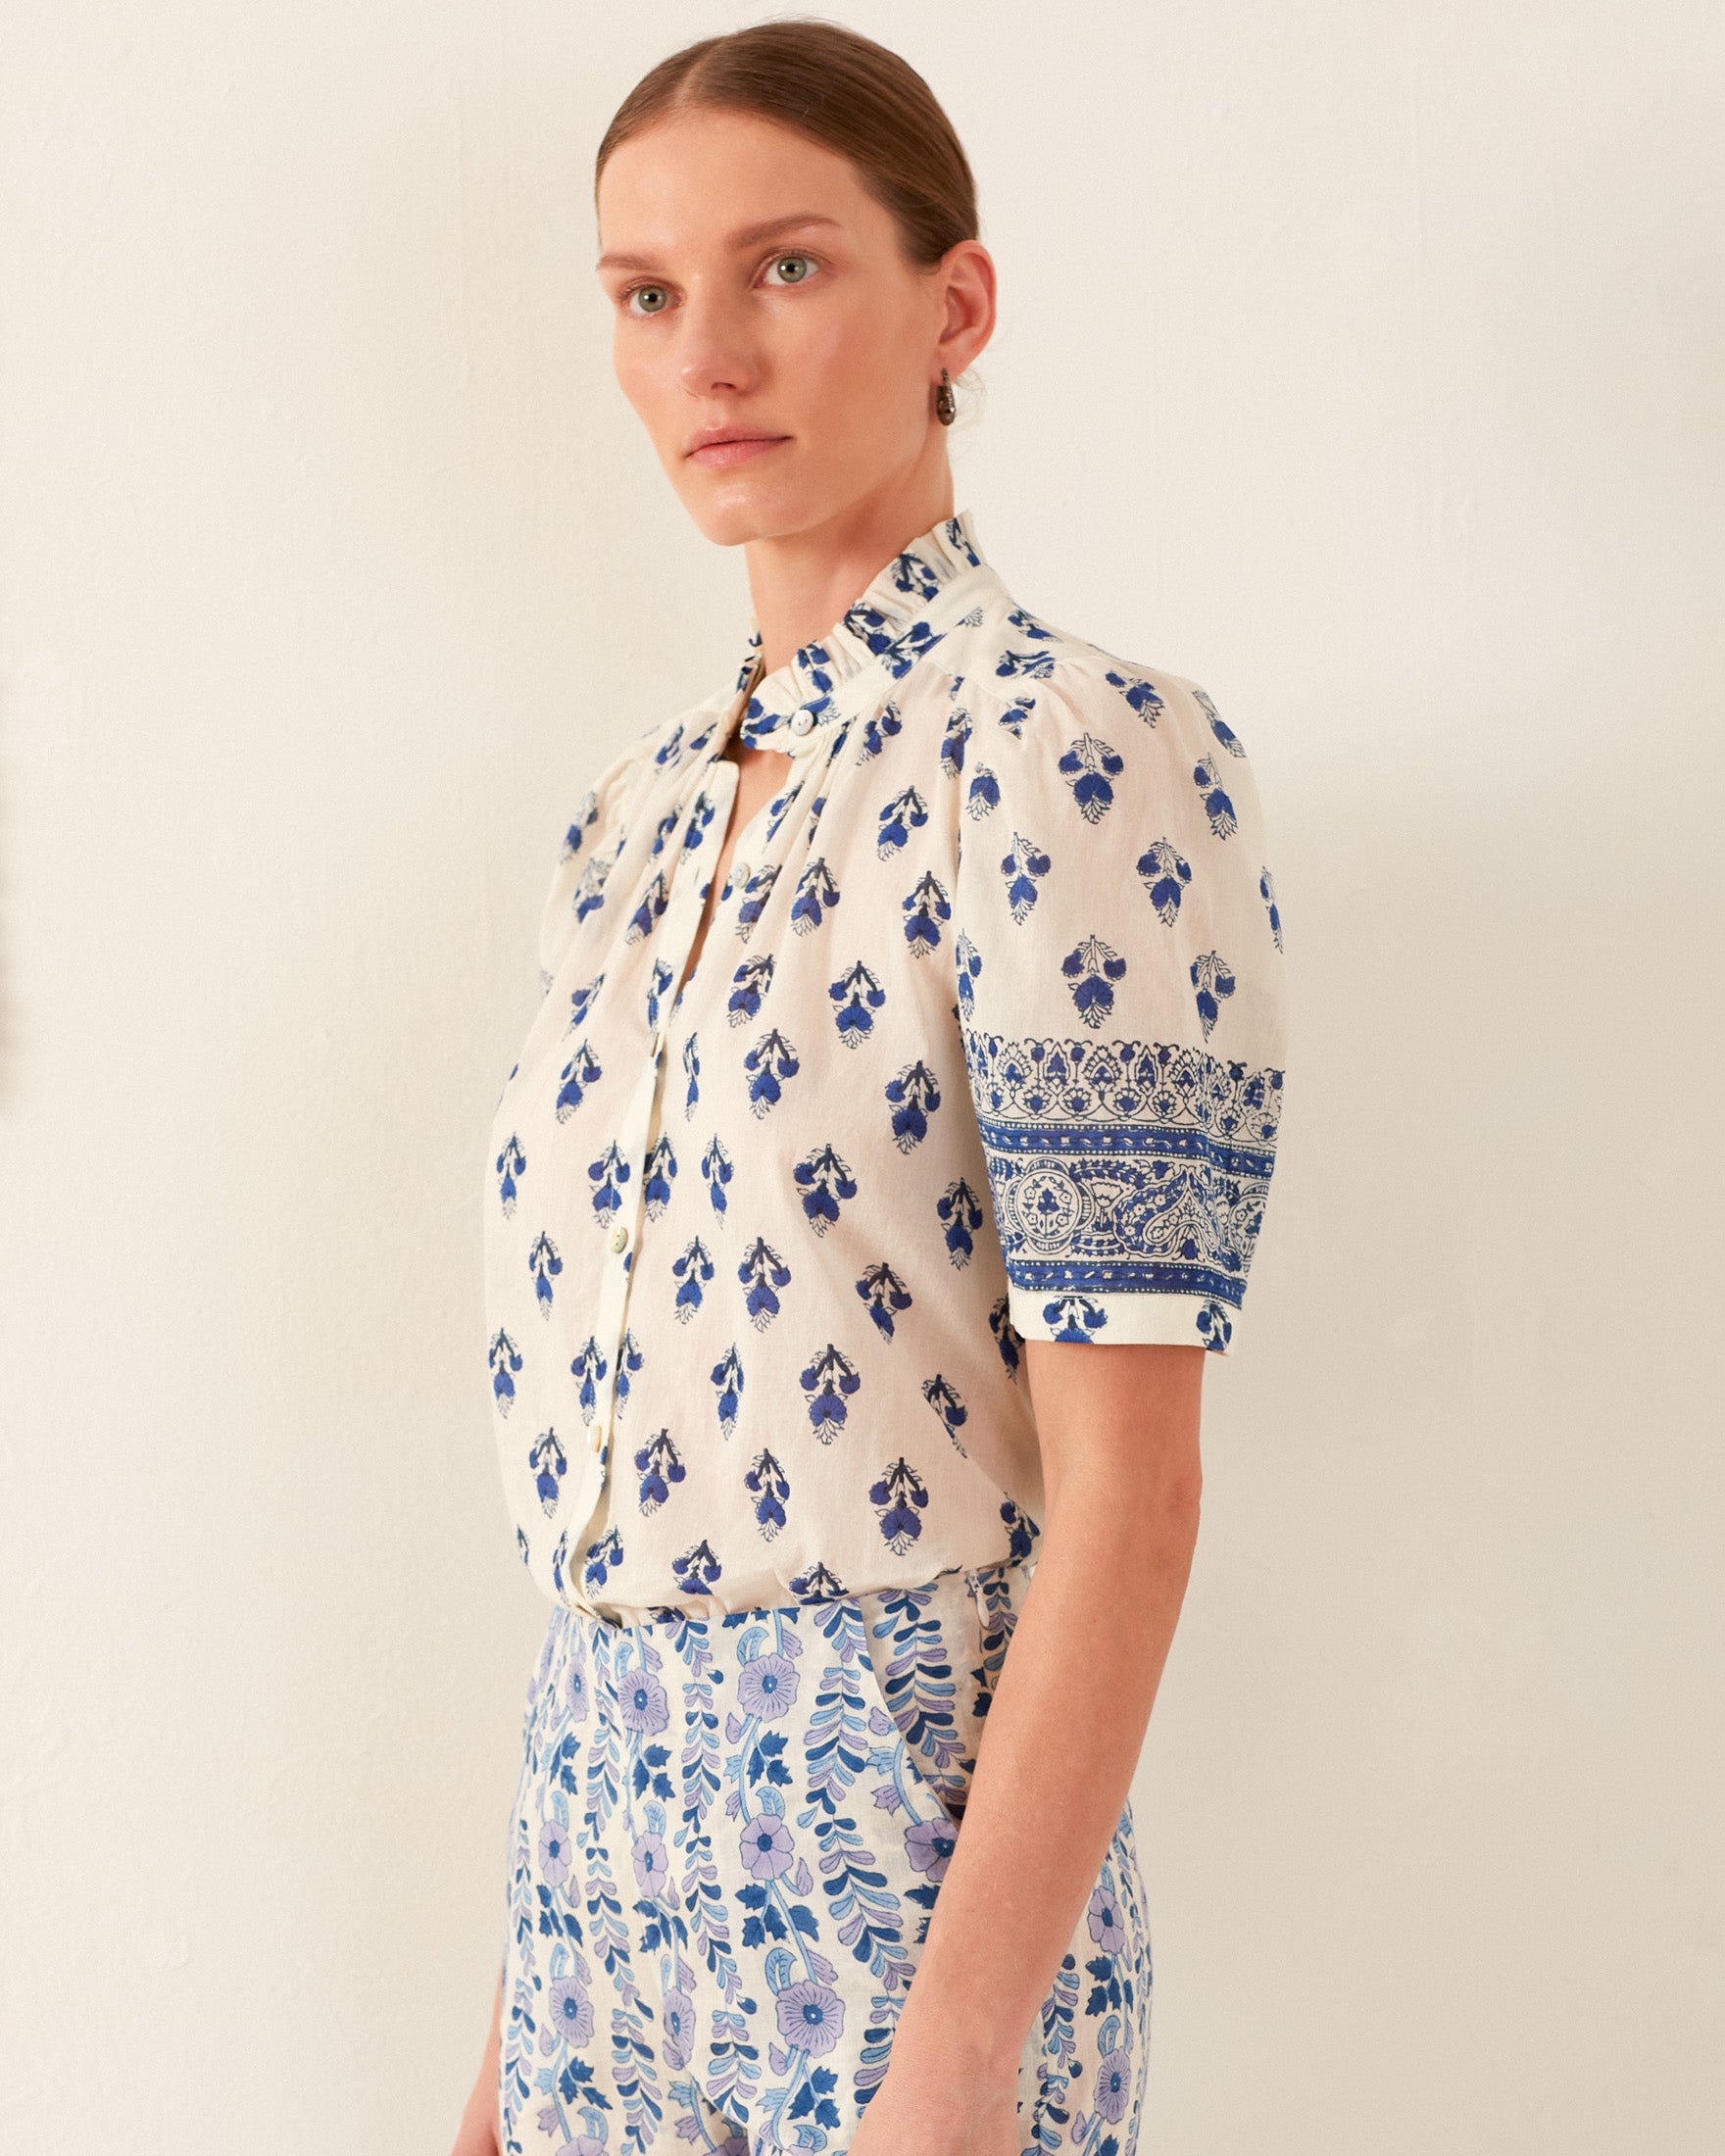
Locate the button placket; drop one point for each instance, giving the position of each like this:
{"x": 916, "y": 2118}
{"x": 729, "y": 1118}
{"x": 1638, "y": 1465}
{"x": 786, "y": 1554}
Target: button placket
{"x": 641, "y": 1119}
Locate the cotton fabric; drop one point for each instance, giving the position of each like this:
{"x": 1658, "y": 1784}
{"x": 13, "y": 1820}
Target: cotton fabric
{"x": 984, "y": 1046}
{"x": 727, "y": 1839}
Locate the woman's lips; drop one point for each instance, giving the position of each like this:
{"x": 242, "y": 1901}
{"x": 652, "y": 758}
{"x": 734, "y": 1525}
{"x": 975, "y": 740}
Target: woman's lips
{"x": 735, "y": 453}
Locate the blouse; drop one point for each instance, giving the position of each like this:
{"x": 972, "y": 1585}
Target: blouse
{"x": 983, "y": 1045}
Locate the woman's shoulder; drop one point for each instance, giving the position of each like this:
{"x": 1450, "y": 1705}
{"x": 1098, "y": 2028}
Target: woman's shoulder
{"x": 1044, "y": 695}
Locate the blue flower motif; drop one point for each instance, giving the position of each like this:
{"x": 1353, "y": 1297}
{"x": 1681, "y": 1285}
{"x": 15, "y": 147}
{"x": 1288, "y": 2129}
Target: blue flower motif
{"x": 752, "y": 979}
{"x": 984, "y": 794}
{"x": 1023, "y": 870}
{"x": 830, "y": 1381}
{"x": 1216, "y": 805}
{"x": 1093, "y": 968}
{"x": 1166, "y": 871}
{"x": 884, "y": 1297}
{"x": 826, "y": 1183}
{"x": 1266, "y": 889}
{"x": 1142, "y": 695}
{"x": 727, "y": 1383}
{"x": 857, "y": 995}
{"x": 1088, "y": 766}
{"x": 913, "y": 1096}
{"x": 1077, "y": 1317}
{"x": 902, "y": 816}
{"x": 1214, "y": 983}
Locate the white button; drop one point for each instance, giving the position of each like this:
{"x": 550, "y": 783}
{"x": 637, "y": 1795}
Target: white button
{"x": 801, "y": 723}
{"x": 619, "y": 1237}
{"x": 740, "y": 873}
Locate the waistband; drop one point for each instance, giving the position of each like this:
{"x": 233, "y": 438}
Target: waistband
{"x": 658, "y": 1617}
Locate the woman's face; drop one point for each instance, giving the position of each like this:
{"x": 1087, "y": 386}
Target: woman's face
{"x": 758, "y": 287}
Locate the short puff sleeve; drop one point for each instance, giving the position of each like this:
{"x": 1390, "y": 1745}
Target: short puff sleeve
{"x": 1118, "y": 952}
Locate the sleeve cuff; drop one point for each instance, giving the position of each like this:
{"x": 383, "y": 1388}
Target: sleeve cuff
{"x": 1154, "y": 1320}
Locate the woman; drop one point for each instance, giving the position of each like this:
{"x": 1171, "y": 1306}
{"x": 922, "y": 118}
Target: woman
{"x": 885, "y": 1156}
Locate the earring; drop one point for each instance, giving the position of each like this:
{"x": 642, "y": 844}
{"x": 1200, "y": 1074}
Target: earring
{"x": 945, "y": 404}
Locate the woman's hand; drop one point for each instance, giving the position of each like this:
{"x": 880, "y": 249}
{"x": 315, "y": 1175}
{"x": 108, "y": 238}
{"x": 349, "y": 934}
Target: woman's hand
{"x": 476, "y": 2135}
{"x": 942, "y": 2112}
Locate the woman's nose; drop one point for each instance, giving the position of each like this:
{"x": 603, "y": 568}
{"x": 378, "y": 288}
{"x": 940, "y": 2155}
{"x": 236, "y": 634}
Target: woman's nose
{"x": 715, "y": 352}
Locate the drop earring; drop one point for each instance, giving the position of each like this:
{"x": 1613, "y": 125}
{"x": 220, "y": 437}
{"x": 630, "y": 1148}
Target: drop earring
{"x": 945, "y": 404}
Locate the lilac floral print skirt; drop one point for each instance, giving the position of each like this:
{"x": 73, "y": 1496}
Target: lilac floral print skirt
{"x": 727, "y": 1838}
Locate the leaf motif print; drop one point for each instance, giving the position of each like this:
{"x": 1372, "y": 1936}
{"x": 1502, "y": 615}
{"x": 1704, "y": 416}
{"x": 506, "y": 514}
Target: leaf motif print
{"x": 770, "y": 1063}
{"x": 1216, "y": 805}
{"x": 580, "y": 1073}
{"x": 944, "y": 1397}
{"x": 1213, "y": 983}
{"x": 830, "y": 1381}
{"x": 968, "y": 960}
{"x": 1165, "y": 873}
{"x": 984, "y": 796}
{"x": 544, "y": 1265}
{"x": 510, "y": 1166}
{"x": 771, "y": 1486}
{"x": 1216, "y": 1327}
{"x": 1074, "y": 1317}
{"x": 1034, "y": 665}
{"x": 658, "y": 1464}
{"x": 960, "y": 1212}
{"x": 1028, "y": 625}
{"x": 762, "y": 1271}
{"x": 751, "y": 980}
{"x": 1139, "y": 693}
{"x": 916, "y": 643}
{"x": 582, "y": 1000}
{"x": 1016, "y": 713}
{"x": 656, "y": 989}
{"x": 692, "y": 1272}
{"x": 1218, "y": 725}
{"x": 884, "y": 1297}
{"x": 902, "y": 816}
{"x": 1093, "y": 968}
{"x": 1024, "y": 868}
{"x": 1006, "y": 1337}
{"x": 952, "y": 745}
{"x": 588, "y": 1370}
{"x": 692, "y": 1070}
{"x": 879, "y": 731}
{"x": 913, "y": 1096}
{"x": 727, "y": 1383}
{"x": 756, "y": 892}
{"x": 816, "y": 896}
{"x": 899, "y": 1497}
{"x": 504, "y": 1360}
{"x": 1088, "y": 768}
{"x": 608, "y": 1175}
{"x": 650, "y": 911}
{"x": 603, "y": 1560}
{"x": 661, "y": 1168}
{"x": 857, "y": 995}
{"x": 546, "y": 1459}
{"x": 924, "y": 909}
{"x": 826, "y": 1183}
{"x": 715, "y": 1168}
{"x": 1266, "y": 889}
{"x": 589, "y": 893}
{"x": 696, "y": 1572}
{"x": 586, "y": 816}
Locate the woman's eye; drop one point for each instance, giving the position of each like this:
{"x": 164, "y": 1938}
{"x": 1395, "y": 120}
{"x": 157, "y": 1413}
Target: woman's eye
{"x": 798, "y": 264}
{"x": 653, "y": 297}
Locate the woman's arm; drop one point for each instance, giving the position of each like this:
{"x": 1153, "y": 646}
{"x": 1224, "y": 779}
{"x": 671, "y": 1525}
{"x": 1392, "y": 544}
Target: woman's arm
{"x": 1119, "y": 1428}
{"x": 477, "y": 2134}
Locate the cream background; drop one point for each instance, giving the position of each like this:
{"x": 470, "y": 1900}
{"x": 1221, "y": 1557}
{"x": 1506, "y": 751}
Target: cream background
{"x": 1361, "y": 362}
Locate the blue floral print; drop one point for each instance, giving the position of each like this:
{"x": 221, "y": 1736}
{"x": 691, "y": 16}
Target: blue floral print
{"x": 983, "y": 1045}
{"x": 727, "y": 1839}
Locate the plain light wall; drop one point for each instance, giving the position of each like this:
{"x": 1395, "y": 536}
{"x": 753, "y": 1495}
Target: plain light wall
{"x": 1360, "y": 362}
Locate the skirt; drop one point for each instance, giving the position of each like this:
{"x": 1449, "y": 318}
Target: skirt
{"x": 729, "y": 1836}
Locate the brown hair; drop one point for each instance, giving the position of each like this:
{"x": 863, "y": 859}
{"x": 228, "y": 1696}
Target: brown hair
{"x": 840, "y": 89}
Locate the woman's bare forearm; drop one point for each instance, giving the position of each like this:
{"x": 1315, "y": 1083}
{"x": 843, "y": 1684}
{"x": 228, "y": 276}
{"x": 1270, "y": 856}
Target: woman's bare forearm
{"x": 1067, "y": 1722}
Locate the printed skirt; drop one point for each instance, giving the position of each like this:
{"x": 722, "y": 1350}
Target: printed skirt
{"x": 727, "y": 1839}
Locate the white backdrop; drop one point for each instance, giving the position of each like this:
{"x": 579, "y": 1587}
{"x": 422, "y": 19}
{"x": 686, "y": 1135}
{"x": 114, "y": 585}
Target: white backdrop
{"x": 1362, "y": 362}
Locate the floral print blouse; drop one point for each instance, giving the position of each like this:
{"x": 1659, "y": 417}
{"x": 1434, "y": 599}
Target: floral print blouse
{"x": 984, "y": 1045}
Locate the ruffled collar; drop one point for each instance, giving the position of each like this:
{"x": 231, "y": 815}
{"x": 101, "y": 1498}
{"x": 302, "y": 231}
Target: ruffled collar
{"x": 887, "y": 622}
